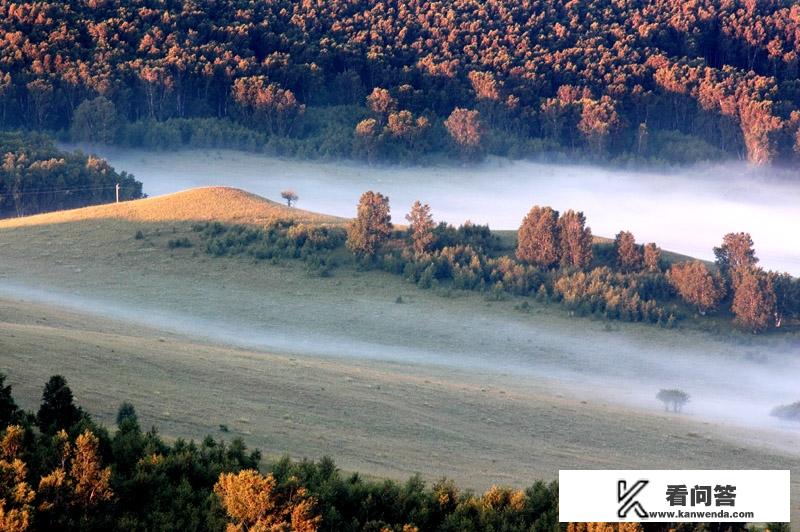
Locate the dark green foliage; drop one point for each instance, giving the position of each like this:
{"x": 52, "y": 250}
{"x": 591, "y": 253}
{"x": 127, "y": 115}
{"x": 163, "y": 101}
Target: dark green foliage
{"x": 179, "y": 243}
{"x": 280, "y": 240}
{"x": 139, "y": 235}
{"x": 8, "y": 408}
{"x": 57, "y": 410}
{"x": 37, "y": 177}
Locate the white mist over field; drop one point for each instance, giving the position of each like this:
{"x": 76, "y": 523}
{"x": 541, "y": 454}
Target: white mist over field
{"x": 727, "y": 382}
{"x": 686, "y": 210}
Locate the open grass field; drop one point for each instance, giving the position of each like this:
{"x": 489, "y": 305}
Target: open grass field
{"x": 446, "y": 384}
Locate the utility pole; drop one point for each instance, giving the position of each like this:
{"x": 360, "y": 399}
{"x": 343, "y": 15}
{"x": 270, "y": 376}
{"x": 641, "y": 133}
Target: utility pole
{"x": 117, "y": 190}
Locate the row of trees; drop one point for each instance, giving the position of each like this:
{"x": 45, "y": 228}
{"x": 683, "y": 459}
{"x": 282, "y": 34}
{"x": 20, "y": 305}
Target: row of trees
{"x": 600, "y": 76}
{"x": 37, "y": 177}
{"x": 59, "y": 470}
{"x": 555, "y": 255}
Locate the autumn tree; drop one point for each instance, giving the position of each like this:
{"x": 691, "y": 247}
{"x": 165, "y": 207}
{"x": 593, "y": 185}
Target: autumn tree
{"x": 420, "y": 227}
{"x": 371, "y": 226}
{"x": 290, "y": 196}
{"x": 696, "y": 285}
{"x": 537, "y": 238}
{"x": 381, "y": 102}
{"x": 16, "y": 495}
{"x": 598, "y": 119}
{"x": 652, "y": 257}
{"x": 629, "y": 254}
{"x": 268, "y": 103}
{"x": 575, "y": 240}
{"x": 255, "y": 502}
{"x": 754, "y": 303}
{"x": 78, "y": 485}
{"x": 735, "y": 253}
{"x": 464, "y": 127}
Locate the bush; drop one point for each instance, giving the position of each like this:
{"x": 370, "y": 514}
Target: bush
{"x": 179, "y": 243}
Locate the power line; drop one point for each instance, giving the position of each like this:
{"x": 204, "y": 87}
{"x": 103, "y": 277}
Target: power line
{"x": 56, "y": 190}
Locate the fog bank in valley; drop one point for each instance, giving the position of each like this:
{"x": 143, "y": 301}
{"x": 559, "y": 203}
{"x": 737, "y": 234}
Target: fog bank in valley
{"x": 728, "y": 383}
{"x": 686, "y": 210}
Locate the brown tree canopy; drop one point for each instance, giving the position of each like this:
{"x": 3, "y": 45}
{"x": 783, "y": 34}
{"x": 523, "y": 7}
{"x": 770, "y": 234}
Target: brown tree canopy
{"x": 629, "y": 254}
{"x": 371, "y": 226}
{"x": 537, "y": 238}
{"x": 735, "y": 253}
{"x": 575, "y": 240}
{"x": 696, "y": 285}
{"x": 754, "y": 303}
{"x": 652, "y": 257}
{"x": 420, "y": 227}
{"x": 465, "y": 128}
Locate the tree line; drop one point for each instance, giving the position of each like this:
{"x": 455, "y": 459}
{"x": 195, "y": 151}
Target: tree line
{"x": 35, "y": 177}
{"x": 660, "y": 79}
{"x": 556, "y": 258}
{"x": 61, "y": 470}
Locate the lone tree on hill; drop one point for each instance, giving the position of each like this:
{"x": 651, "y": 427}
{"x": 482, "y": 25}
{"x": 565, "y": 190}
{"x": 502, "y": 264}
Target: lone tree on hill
{"x": 735, "y": 253}
{"x": 575, "y": 240}
{"x": 673, "y": 398}
{"x": 537, "y": 238}
{"x": 372, "y": 225}
{"x": 290, "y": 196}
{"x": 754, "y": 302}
{"x": 652, "y": 257}
{"x": 696, "y": 285}
{"x": 629, "y": 255}
{"x": 420, "y": 227}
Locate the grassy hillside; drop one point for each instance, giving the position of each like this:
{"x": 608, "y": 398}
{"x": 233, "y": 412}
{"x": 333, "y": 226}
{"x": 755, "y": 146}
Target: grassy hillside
{"x": 223, "y": 204}
{"x": 335, "y": 365}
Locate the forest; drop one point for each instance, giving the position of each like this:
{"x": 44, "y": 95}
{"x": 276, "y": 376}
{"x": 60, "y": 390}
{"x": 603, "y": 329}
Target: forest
{"x": 657, "y": 80}
{"x": 61, "y": 470}
{"x": 35, "y": 177}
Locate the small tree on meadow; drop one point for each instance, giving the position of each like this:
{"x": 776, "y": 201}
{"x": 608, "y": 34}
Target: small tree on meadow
{"x": 754, "y": 303}
{"x": 372, "y": 225}
{"x": 696, "y": 285}
{"x": 537, "y": 238}
{"x": 290, "y": 196}
{"x": 652, "y": 257}
{"x": 629, "y": 255}
{"x": 673, "y": 398}
{"x": 575, "y": 240}
{"x": 420, "y": 227}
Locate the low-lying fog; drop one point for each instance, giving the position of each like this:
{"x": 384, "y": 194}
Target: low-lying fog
{"x": 581, "y": 358}
{"x": 686, "y": 210}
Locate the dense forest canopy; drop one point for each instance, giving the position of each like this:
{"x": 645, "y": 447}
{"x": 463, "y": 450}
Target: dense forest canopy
{"x": 607, "y": 78}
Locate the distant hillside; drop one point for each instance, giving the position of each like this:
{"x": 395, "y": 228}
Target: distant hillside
{"x": 655, "y": 80}
{"x": 222, "y": 204}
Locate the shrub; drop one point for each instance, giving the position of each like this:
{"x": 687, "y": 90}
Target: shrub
{"x": 179, "y": 243}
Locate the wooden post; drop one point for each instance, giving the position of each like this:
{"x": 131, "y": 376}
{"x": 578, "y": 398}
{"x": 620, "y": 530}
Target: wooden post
{"x": 117, "y": 190}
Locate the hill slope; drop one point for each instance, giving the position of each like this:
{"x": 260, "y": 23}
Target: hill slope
{"x": 223, "y": 204}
